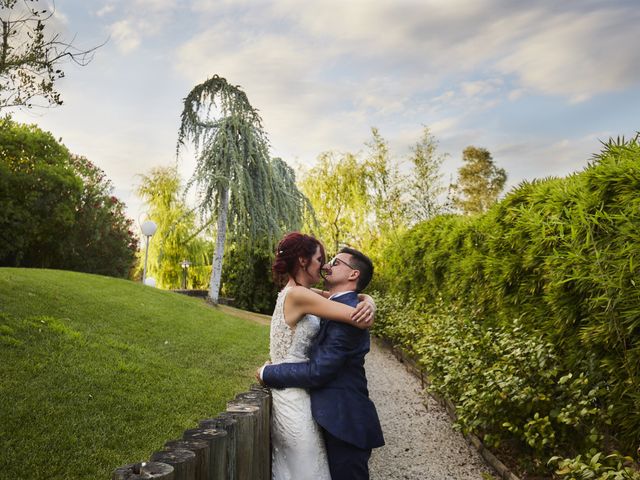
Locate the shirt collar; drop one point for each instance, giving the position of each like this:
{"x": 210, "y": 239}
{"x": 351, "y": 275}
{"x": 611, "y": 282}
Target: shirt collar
{"x": 339, "y": 294}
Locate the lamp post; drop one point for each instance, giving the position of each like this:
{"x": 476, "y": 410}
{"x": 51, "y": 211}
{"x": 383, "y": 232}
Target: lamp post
{"x": 185, "y": 264}
{"x": 148, "y": 229}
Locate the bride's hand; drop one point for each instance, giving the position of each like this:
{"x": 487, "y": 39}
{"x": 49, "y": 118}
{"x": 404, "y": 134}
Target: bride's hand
{"x": 259, "y": 369}
{"x": 365, "y": 311}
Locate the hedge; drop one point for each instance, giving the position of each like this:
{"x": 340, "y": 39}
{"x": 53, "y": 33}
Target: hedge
{"x": 560, "y": 255}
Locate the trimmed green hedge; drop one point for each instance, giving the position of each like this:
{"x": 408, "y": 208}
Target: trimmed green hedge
{"x": 562, "y": 255}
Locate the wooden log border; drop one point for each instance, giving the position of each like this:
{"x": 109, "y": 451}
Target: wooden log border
{"x": 412, "y": 367}
{"x": 235, "y": 445}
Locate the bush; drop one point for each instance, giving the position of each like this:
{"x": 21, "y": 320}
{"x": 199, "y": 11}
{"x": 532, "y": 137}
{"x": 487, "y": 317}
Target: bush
{"x": 246, "y": 277}
{"x": 527, "y": 317}
{"x": 596, "y": 465}
{"x": 57, "y": 210}
{"x": 508, "y": 385}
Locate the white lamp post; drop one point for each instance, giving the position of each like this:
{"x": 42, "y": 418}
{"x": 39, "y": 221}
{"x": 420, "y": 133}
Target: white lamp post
{"x": 185, "y": 265}
{"x": 148, "y": 229}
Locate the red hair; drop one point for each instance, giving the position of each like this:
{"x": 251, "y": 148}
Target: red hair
{"x": 293, "y": 246}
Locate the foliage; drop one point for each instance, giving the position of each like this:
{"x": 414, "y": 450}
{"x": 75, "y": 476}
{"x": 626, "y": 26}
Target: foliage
{"x": 337, "y": 189}
{"x": 426, "y": 180}
{"x": 387, "y": 209}
{"x": 560, "y": 255}
{"x": 109, "y": 370}
{"x": 176, "y": 238}
{"x": 596, "y": 465}
{"x": 238, "y": 184}
{"x": 508, "y": 385}
{"x": 30, "y": 57}
{"x": 38, "y": 196}
{"x": 247, "y": 278}
{"x": 101, "y": 239}
{"x": 479, "y": 183}
{"x": 57, "y": 210}
{"x": 385, "y": 185}
{"x": 365, "y": 201}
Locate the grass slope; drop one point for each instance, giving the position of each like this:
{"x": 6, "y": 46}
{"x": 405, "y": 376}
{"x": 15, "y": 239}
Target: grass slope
{"x": 97, "y": 372}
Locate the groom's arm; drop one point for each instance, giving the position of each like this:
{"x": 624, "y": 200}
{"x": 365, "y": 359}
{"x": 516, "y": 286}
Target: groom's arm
{"x": 341, "y": 342}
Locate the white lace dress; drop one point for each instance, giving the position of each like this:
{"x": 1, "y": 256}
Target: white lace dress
{"x": 298, "y": 451}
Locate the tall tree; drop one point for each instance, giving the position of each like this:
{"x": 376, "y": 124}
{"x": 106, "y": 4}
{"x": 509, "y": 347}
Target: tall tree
{"x": 480, "y": 181}
{"x": 385, "y": 186}
{"x": 388, "y": 208}
{"x": 237, "y": 183}
{"x": 337, "y": 189}
{"x": 425, "y": 185}
{"x": 176, "y": 239}
{"x": 31, "y": 56}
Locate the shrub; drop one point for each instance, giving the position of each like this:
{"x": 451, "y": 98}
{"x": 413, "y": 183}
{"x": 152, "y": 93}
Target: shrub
{"x": 507, "y": 384}
{"x": 57, "y": 210}
{"x": 560, "y": 255}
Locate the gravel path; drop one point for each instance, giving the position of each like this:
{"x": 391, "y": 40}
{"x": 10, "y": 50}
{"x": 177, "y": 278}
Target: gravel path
{"x": 420, "y": 443}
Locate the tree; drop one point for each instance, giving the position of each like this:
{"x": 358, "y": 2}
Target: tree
{"x": 425, "y": 185}
{"x": 30, "y": 57}
{"x": 357, "y": 200}
{"x": 38, "y": 196}
{"x": 101, "y": 239}
{"x": 389, "y": 212}
{"x": 337, "y": 189}
{"x": 385, "y": 187}
{"x": 176, "y": 238}
{"x": 57, "y": 210}
{"x": 238, "y": 184}
{"x": 479, "y": 183}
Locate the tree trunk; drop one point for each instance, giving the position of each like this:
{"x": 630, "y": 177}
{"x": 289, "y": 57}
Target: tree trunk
{"x": 221, "y": 235}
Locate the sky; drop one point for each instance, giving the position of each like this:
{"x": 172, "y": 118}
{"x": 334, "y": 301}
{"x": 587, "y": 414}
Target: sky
{"x": 538, "y": 83}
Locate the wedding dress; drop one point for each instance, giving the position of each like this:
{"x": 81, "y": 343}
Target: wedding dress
{"x": 298, "y": 450}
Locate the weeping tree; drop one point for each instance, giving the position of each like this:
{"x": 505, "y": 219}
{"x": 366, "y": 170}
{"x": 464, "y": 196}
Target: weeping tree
{"x": 249, "y": 196}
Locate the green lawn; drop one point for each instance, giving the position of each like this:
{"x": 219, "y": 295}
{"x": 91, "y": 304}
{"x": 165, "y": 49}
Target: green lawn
{"x": 97, "y": 372}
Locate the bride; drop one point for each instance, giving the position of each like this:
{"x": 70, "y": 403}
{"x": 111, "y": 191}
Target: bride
{"x": 298, "y": 450}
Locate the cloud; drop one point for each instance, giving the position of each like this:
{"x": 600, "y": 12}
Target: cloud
{"x": 126, "y": 36}
{"x": 142, "y": 19}
{"x": 578, "y": 55}
{"x": 108, "y": 8}
{"x": 431, "y": 60}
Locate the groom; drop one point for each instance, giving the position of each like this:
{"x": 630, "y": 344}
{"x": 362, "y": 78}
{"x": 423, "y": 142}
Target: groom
{"x": 335, "y": 375}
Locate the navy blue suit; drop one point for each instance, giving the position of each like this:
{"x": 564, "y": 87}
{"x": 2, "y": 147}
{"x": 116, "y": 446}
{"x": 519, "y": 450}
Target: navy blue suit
{"x": 340, "y": 401}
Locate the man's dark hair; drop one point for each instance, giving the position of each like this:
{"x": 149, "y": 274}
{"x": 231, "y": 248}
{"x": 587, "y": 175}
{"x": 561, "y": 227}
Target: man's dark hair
{"x": 362, "y": 263}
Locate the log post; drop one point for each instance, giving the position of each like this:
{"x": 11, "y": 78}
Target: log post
{"x": 144, "y": 470}
{"x": 262, "y": 445}
{"x": 247, "y": 417}
{"x": 201, "y": 449}
{"x": 226, "y": 422}
{"x": 183, "y": 462}
{"x": 217, "y": 441}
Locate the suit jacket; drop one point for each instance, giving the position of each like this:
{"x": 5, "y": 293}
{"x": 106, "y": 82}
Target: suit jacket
{"x": 336, "y": 381}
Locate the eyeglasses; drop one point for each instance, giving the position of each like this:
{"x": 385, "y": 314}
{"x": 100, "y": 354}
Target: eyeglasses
{"x": 335, "y": 260}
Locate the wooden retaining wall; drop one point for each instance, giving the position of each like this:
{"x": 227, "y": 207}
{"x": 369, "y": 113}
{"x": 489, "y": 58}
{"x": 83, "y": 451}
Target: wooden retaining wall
{"x": 232, "y": 446}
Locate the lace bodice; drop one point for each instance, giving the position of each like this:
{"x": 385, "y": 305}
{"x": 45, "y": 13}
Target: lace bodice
{"x": 287, "y": 344}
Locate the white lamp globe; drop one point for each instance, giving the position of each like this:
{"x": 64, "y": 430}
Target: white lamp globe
{"x": 148, "y": 228}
